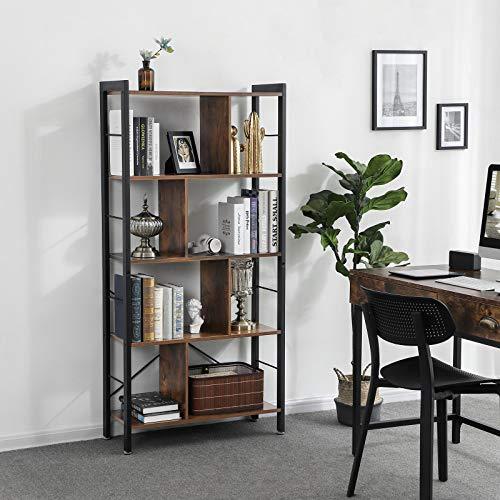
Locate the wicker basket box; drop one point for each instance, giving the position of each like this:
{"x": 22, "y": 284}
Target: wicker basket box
{"x": 225, "y": 387}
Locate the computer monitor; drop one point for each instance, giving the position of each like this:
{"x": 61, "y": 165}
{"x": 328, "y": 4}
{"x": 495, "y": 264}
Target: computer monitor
{"x": 489, "y": 241}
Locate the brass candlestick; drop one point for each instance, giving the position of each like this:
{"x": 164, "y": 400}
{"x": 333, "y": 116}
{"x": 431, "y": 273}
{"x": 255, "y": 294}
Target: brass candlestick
{"x": 241, "y": 284}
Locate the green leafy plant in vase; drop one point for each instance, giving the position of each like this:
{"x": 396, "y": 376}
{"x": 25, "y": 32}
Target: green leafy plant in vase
{"x": 327, "y": 208}
{"x": 366, "y": 246}
{"x": 147, "y": 74}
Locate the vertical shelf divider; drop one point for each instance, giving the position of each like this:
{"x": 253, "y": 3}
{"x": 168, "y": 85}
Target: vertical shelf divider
{"x": 174, "y": 365}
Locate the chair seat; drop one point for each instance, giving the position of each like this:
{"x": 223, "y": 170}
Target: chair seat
{"x": 406, "y": 374}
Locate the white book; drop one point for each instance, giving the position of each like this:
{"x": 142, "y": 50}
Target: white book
{"x": 246, "y": 221}
{"x": 158, "y": 313}
{"x": 273, "y": 227}
{"x": 167, "y": 312}
{"x": 115, "y": 143}
{"x": 156, "y": 148}
{"x": 231, "y": 217}
{"x": 263, "y": 211}
{"x": 177, "y": 310}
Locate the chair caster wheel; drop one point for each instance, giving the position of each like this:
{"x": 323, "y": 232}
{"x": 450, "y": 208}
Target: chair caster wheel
{"x": 127, "y": 452}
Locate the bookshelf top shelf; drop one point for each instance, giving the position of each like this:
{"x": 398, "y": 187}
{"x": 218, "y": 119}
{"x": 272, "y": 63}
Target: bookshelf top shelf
{"x": 169, "y": 259}
{"x": 195, "y": 93}
{"x": 195, "y": 177}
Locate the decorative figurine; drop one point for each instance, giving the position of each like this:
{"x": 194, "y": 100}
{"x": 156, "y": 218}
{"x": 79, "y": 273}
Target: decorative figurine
{"x": 194, "y": 307}
{"x": 253, "y": 145}
{"x": 241, "y": 284}
{"x": 145, "y": 225}
{"x": 205, "y": 244}
{"x": 236, "y": 149}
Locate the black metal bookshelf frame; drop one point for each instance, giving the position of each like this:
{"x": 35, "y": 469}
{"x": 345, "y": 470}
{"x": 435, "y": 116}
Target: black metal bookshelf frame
{"x": 121, "y": 88}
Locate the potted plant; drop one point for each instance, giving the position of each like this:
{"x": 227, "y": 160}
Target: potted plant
{"x": 326, "y": 209}
{"x": 146, "y": 74}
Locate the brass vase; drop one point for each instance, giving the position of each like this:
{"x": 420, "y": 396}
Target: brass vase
{"x": 145, "y": 225}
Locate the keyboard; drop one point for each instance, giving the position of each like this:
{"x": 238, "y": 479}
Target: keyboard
{"x": 471, "y": 283}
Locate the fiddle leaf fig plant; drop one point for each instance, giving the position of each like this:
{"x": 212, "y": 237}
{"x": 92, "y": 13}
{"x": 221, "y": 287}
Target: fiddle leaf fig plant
{"x": 326, "y": 208}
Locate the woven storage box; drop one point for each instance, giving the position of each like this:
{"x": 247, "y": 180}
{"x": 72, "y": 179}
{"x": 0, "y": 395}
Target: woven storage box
{"x": 225, "y": 387}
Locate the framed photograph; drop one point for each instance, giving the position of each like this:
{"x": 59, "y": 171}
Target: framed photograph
{"x": 399, "y": 89}
{"x": 184, "y": 157}
{"x": 452, "y": 126}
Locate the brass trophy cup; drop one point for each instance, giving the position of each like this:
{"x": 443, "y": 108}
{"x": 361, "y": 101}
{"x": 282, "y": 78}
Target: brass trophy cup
{"x": 145, "y": 225}
{"x": 241, "y": 284}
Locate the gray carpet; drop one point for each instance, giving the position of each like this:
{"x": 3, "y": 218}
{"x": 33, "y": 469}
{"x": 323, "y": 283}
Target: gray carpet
{"x": 248, "y": 460}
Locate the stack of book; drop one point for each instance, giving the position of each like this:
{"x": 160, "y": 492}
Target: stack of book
{"x": 157, "y": 310}
{"x": 144, "y": 144}
{"x": 250, "y": 223}
{"x": 151, "y": 407}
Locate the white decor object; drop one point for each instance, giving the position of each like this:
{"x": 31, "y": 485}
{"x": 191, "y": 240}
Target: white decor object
{"x": 194, "y": 308}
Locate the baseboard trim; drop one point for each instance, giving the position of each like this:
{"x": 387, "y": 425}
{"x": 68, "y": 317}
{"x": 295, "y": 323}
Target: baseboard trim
{"x": 306, "y": 405}
{"x": 44, "y": 438}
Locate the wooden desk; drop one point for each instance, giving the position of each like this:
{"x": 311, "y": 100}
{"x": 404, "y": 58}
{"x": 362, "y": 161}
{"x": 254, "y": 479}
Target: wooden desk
{"x": 476, "y": 314}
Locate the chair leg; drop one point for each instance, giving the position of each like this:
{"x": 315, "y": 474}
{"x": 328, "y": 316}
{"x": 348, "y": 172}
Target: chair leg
{"x": 361, "y": 443}
{"x": 442, "y": 432}
{"x": 426, "y": 444}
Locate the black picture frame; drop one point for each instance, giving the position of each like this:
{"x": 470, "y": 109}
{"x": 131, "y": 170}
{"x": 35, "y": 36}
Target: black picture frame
{"x": 174, "y": 163}
{"x": 440, "y": 143}
{"x": 375, "y": 118}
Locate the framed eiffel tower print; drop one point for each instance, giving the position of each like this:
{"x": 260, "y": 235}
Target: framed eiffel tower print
{"x": 399, "y": 89}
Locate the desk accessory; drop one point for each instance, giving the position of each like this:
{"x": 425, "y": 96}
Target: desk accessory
{"x": 464, "y": 261}
{"x": 422, "y": 274}
{"x": 145, "y": 225}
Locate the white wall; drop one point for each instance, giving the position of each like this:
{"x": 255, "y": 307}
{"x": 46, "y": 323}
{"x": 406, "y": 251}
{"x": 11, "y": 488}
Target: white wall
{"x": 53, "y": 57}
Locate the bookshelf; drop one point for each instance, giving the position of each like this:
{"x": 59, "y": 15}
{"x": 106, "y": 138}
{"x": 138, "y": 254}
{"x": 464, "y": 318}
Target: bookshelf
{"x": 173, "y": 194}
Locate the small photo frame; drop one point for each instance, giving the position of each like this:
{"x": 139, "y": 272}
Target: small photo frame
{"x": 184, "y": 156}
{"x": 399, "y": 89}
{"x": 452, "y": 126}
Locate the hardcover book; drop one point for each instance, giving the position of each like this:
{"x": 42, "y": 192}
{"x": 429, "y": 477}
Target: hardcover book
{"x": 273, "y": 243}
{"x": 177, "y": 310}
{"x": 115, "y": 143}
{"x": 136, "y": 308}
{"x": 158, "y": 314}
{"x": 246, "y": 220}
{"x": 149, "y": 145}
{"x": 263, "y": 210}
{"x": 137, "y": 135}
{"x": 152, "y": 402}
{"x": 252, "y": 195}
{"x": 143, "y": 146}
{"x": 156, "y": 148}
{"x": 231, "y": 217}
{"x": 167, "y": 312}
{"x": 148, "y": 307}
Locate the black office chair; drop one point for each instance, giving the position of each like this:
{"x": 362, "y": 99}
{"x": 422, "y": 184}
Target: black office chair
{"x": 421, "y": 322}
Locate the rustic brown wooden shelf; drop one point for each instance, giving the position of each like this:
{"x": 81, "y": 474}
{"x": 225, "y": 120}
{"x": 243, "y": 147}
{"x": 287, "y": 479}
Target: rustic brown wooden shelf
{"x": 196, "y": 93}
{"x": 195, "y": 177}
{"x": 260, "y": 331}
{"x": 172, "y": 259}
{"x": 198, "y": 419}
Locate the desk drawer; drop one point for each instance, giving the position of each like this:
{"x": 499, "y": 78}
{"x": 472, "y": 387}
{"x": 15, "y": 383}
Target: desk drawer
{"x": 474, "y": 318}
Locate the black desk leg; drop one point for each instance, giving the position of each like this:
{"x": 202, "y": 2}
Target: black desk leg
{"x": 356, "y": 317}
{"x": 457, "y": 401}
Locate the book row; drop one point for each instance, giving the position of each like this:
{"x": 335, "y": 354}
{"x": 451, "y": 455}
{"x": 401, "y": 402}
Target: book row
{"x": 157, "y": 309}
{"x": 151, "y": 407}
{"x": 144, "y": 148}
{"x": 250, "y": 223}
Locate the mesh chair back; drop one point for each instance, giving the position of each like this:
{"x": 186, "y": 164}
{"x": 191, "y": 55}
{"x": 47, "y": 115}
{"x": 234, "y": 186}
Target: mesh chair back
{"x": 394, "y": 321}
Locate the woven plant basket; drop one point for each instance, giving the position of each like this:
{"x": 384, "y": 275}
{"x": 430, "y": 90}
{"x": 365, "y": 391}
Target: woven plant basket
{"x": 346, "y": 388}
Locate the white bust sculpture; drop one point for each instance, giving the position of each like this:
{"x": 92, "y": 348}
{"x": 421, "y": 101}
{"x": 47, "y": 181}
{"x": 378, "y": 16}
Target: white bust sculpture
{"x": 194, "y": 307}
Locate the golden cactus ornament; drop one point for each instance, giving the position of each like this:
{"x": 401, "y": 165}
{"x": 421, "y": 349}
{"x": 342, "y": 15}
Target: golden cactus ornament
{"x": 254, "y": 135}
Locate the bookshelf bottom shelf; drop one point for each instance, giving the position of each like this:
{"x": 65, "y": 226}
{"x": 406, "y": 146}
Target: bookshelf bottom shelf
{"x": 192, "y": 419}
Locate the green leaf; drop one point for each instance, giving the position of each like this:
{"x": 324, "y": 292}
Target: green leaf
{"x": 382, "y": 256}
{"x": 376, "y": 164}
{"x": 340, "y": 268}
{"x": 356, "y": 165}
{"x": 337, "y": 209}
{"x": 375, "y": 250}
{"x": 298, "y": 229}
{"x": 384, "y": 202}
{"x": 329, "y": 238}
{"x": 370, "y": 231}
